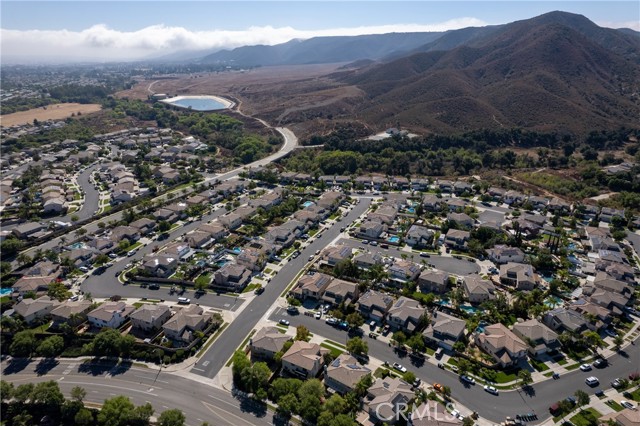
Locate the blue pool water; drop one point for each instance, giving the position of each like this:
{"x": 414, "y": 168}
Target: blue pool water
{"x": 411, "y": 210}
{"x": 237, "y": 250}
{"x": 393, "y": 239}
{"x": 221, "y": 263}
{"x": 197, "y": 103}
{"x": 77, "y": 245}
{"x": 469, "y": 309}
{"x": 553, "y": 301}
{"x": 307, "y": 204}
{"x": 548, "y": 279}
{"x": 5, "y": 291}
{"x": 443, "y": 302}
{"x": 480, "y": 329}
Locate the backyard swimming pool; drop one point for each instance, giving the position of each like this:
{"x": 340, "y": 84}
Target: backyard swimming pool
{"x": 394, "y": 239}
{"x": 307, "y": 204}
{"x": 5, "y": 291}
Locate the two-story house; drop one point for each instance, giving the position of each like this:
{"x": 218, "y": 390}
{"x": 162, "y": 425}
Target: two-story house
{"x": 503, "y": 254}
{"x": 182, "y": 326}
{"x": 374, "y": 305}
{"x": 502, "y": 344}
{"x": 405, "y": 314}
{"x": 150, "y": 317}
{"x": 312, "y": 286}
{"x": 267, "y": 342}
{"x": 432, "y": 281}
{"x": 344, "y": 373}
{"x": 444, "y": 330}
{"x": 110, "y": 314}
{"x": 540, "y": 338}
{"x": 303, "y": 359}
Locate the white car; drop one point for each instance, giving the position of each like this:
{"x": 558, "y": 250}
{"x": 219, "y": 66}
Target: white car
{"x": 592, "y": 381}
{"x": 400, "y": 367}
{"x": 585, "y": 367}
{"x": 284, "y": 322}
{"x": 491, "y": 389}
{"x": 318, "y": 315}
{"x": 84, "y": 269}
{"x": 627, "y": 404}
{"x": 468, "y": 379}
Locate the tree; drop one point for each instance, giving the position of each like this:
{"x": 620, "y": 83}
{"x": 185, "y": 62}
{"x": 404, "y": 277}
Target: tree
{"x": 171, "y": 417}
{"x": 110, "y": 342}
{"x": 464, "y": 366}
{"x": 124, "y": 244}
{"x": 240, "y": 363}
{"x": 617, "y": 342}
{"x": 51, "y": 346}
{"x": 23, "y": 259}
{"x": 468, "y": 421}
{"x": 582, "y": 398}
{"x": 400, "y": 338}
{"x": 48, "y": 394}
{"x": 23, "y": 392}
{"x": 164, "y": 226}
{"x": 281, "y": 387}
{"x": 302, "y": 333}
{"x": 84, "y": 417}
{"x": 357, "y": 346}
{"x": 23, "y": 344}
{"x": 101, "y": 259}
{"x": 202, "y": 282}
{"x": 354, "y": 320}
{"x": 409, "y": 377}
{"x": 256, "y": 377}
{"x": 287, "y": 405}
{"x": 525, "y": 377}
{"x": 78, "y": 393}
{"x": 326, "y": 419}
{"x": 593, "y": 340}
{"x": 6, "y": 390}
{"x": 416, "y": 342}
{"x": 446, "y": 392}
{"x": 335, "y": 405}
{"x": 58, "y": 291}
{"x": 116, "y": 411}
{"x": 74, "y": 218}
{"x": 459, "y": 347}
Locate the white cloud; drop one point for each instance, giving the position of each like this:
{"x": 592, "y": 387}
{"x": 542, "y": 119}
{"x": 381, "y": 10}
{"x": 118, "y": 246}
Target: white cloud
{"x": 634, "y": 25}
{"x": 102, "y": 43}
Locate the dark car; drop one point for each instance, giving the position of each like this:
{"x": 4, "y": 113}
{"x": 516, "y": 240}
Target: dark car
{"x": 154, "y": 286}
{"x": 259, "y": 290}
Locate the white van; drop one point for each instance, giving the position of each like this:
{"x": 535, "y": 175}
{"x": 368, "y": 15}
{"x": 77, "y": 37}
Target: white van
{"x": 183, "y": 300}
{"x": 439, "y": 353}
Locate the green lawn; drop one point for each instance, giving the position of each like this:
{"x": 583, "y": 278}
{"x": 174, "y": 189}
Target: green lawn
{"x": 611, "y": 403}
{"x": 540, "y": 366}
{"x": 572, "y": 366}
{"x": 313, "y": 232}
{"x": 563, "y": 362}
{"x": 587, "y": 417}
{"x": 336, "y": 344}
{"x": 635, "y": 395}
{"x": 268, "y": 271}
{"x": 502, "y": 377}
{"x": 251, "y": 287}
{"x": 134, "y": 246}
{"x": 335, "y": 352}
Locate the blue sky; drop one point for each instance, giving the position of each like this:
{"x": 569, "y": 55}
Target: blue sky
{"x": 131, "y": 29}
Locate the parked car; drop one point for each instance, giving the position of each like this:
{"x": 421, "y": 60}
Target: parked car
{"x": 585, "y": 367}
{"x": 468, "y": 379}
{"x": 556, "y": 376}
{"x": 592, "y": 381}
{"x": 609, "y": 332}
{"x": 113, "y": 255}
{"x": 616, "y": 383}
{"x": 318, "y": 315}
{"x": 284, "y": 321}
{"x": 600, "y": 363}
{"x": 292, "y": 310}
{"x": 84, "y": 269}
{"x": 441, "y": 365}
{"x": 399, "y": 367}
{"x": 491, "y": 389}
{"x": 331, "y": 321}
{"x": 627, "y": 404}
{"x": 438, "y": 387}
{"x": 259, "y": 290}
{"x": 183, "y": 300}
{"x": 131, "y": 253}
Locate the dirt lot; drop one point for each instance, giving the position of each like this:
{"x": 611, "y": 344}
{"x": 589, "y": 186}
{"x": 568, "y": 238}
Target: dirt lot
{"x": 52, "y": 112}
{"x": 301, "y": 97}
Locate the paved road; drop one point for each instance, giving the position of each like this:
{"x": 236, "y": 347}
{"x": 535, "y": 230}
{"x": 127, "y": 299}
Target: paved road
{"x": 215, "y": 358}
{"x": 494, "y": 408}
{"x": 444, "y": 263}
{"x": 107, "y": 284}
{"x": 199, "y": 402}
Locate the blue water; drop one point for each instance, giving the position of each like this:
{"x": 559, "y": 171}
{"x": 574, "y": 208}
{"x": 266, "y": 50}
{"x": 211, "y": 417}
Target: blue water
{"x": 199, "y": 104}
{"x": 221, "y": 263}
{"x": 553, "y": 301}
{"x": 469, "y": 309}
{"x": 571, "y": 246}
{"x": 443, "y": 302}
{"x": 237, "y": 250}
{"x": 548, "y": 279}
{"x": 307, "y": 204}
{"x": 411, "y": 210}
{"x": 480, "y": 329}
{"x": 77, "y": 245}
{"x": 5, "y": 291}
{"x": 394, "y": 239}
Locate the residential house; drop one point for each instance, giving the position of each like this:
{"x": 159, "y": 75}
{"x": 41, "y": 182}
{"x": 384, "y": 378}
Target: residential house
{"x": 605, "y": 282}
{"x": 432, "y": 281}
{"x": 444, "y": 330}
{"x": 445, "y": 185}
{"x": 129, "y": 233}
{"x": 33, "y": 284}
{"x": 460, "y": 187}
{"x": 607, "y": 213}
{"x": 374, "y": 305}
{"x": 72, "y": 312}
{"x": 405, "y": 314}
{"x": 150, "y": 317}
{"x": 339, "y": 291}
{"x": 232, "y": 277}
{"x": 519, "y": 276}
{"x": 267, "y": 342}
{"x": 461, "y": 219}
{"x": 312, "y": 285}
{"x": 103, "y": 245}
{"x": 403, "y": 271}
{"x": 596, "y": 316}
{"x": 541, "y": 339}
{"x": 366, "y": 260}
{"x": 43, "y": 268}
{"x": 371, "y": 229}
{"x": 330, "y": 200}
{"x": 144, "y": 225}
{"x": 626, "y": 417}
{"x": 344, "y": 373}
{"x": 562, "y": 319}
{"x": 166, "y": 215}
{"x": 199, "y": 239}
{"x": 477, "y": 289}
{"x": 214, "y": 229}
{"x": 457, "y": 239}
{"x": 182, "y": 326}
{"x": 28, "y": 230}
{"x": 385, "y": 214}
{"x": 513, "y": 197}
{"x": 455, "y": 204}
{"x": 431, "y": 202}
{"x": 34, "y": 309}
{"x": 252, "y": 259}
{"x": 501, "y": 343}
{"x": 160, "y": 265}
{"x": 110, "y": 314}
{"x": 386, "y": 398}
{"x": 303, "y": 359}
{"x": 502, "y": 254}
{"x": 335, "y": 254}
{"x": 419, "y": 236}
{"x": 80, "y": 257}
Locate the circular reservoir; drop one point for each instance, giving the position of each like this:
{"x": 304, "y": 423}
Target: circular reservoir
{"x": 200, "y": 103}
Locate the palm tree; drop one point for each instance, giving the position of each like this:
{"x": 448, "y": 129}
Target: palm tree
{"x": 23, "y": 259}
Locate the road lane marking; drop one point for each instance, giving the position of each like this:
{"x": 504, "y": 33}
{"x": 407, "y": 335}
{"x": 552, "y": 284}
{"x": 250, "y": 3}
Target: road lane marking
{"x": 199, "y": 369}
{"x": 204, "y": 364}
{"x": 213, "y": 409}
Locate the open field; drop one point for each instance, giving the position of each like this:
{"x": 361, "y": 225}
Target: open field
{"x": 52, "y": 112}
